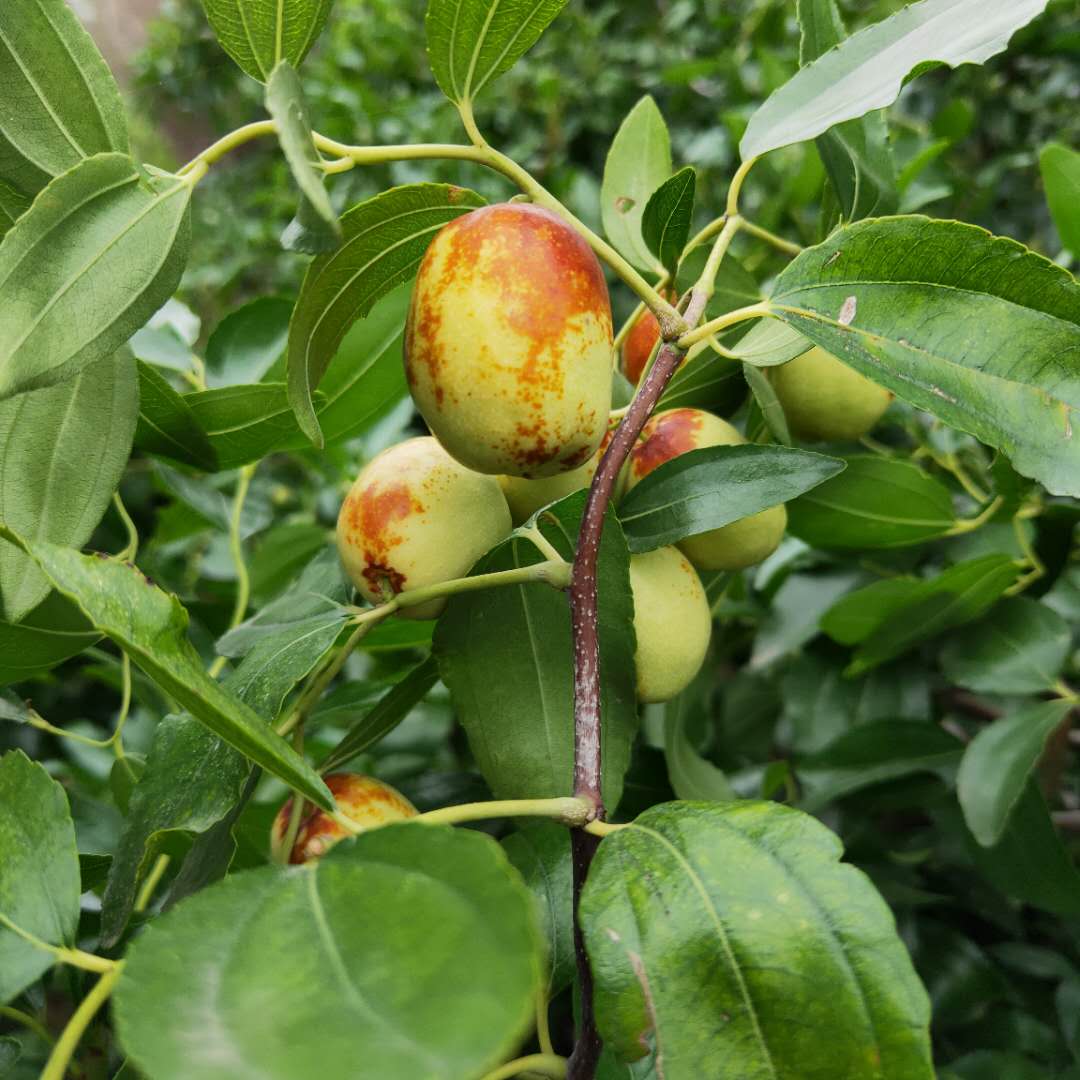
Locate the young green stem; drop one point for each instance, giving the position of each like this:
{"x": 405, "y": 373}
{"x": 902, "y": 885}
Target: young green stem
{"x": 236, "y": 549}
{"x": 63, "y": 954}
{"x": 545, "y": 1064}
{"x": 777, "y": 242}
{"x": 64, "y": 1050}
{"x": 569, "y": 811}
{"x": 714, "y": 326}
{"x": 31, "y": 1023}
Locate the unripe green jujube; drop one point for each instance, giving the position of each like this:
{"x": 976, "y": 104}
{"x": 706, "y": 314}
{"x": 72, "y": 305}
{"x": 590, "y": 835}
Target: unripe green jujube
{"x": 416, "y": 517}
{"x": 826, "y": 401}
{"x": 509, "y": 342}
{"x": 672, "y": 621}
{"x": 732, "y": 547}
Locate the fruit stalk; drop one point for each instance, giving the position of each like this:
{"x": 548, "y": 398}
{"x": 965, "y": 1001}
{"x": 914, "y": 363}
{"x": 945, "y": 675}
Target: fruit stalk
{"x": 586, "y": 644}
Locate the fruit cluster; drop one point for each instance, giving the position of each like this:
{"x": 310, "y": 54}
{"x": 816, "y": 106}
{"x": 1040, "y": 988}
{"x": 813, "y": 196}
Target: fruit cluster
{"x": 508, "y": 354}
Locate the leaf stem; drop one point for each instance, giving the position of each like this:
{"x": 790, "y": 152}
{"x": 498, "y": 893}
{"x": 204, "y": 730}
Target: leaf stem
{"x": 153, "y": 879}
{"x": 546, "y": 1064}
{"x": 65, "y": 1047}
{"x": 227, "y": 143}
{"x": 129, "y": 552}
{"x": 31, "y": 1023}
{"x": 967, "y": 525}
{"x": 771, "y": 238}
{"x": 602, "y": 828}
{"x": 236, "y": 549}
{"x": 568, "y": 811}
{"x": 539, "y": 541}
{"x": 714, "y": 326}
{"x": 64, "y": 955}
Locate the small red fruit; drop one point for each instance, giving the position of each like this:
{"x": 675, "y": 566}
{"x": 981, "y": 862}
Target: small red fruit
{"x": 364, "y": 800}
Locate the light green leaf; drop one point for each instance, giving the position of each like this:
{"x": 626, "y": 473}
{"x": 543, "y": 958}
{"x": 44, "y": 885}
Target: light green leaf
{"x": 51, "y": 488}
{"x": 49, "y": 635}
{"x": 766, "y": 421}
{"x": 770, "y": 343}
{"x": 709, "y": 928}
{"x": 856, "y": 154}
{"x": 39, "y": 871}
{"x": 998, "y": 763}
{"x": 259, "y": 34}
{"x": 668, "y": 216}
{"x": 472, "y": 42}
{"x": 101, "y": 249}
{"x": 413, "y": 950}
{"x": 638, "y": 162}
{"x": 286, "y": 104}
{"x": 868, "y": 70}
{"x": 975, "y": 329}
{"x": 1020, "y": 648}
{"x": 1060, "y": 168}
{"x": 167, "y": 427}
{"x": 383, "y": 241}
{"x": 61, "y": 104}
{"x": 247, "y": 343}
{"x": 151, "y": 627}
{"x": 875, "y": 502}
{"x": 505, "y": 654}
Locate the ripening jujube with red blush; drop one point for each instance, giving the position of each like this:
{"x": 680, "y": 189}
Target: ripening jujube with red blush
{"x": 638, "y": 345}
{"x": 415, "y": 517}
{"x": 365, "y": 801}
{"x": 732, "y": 547}
{"x": 508, "y": 343}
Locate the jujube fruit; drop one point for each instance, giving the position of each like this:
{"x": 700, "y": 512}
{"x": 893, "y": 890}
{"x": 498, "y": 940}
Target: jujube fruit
{"x": 824, "y": 400}
{"x": 364, "y": 800}
{"x": 672, "y": 621}
{"x": 508, "y": 342}
{"x": 415, "y": 517}
{"x": 639, "y": 343}
{"x": 732, "y": 547}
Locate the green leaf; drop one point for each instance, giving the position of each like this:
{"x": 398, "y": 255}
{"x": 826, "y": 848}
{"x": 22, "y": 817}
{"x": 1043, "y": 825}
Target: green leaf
{"x": 1060, "y": 168}
{"x": 151, "y": 627}
{"x": 49, "y": 635}
{"x": 856, "y": 154}
{"x": 383, "y": 241}
{"x": 958, "y": 596}
{"x": 246, "y": 344}
{"x": 472, "y": 42}
{"x": 1020, "y": 648}
{"x": 854, "y": 617}
{"x": 993, "y": 360}
{"x": 712, "y": 487}
{"x": 692, "y": 776}
{"x": 668, "y": 216}
{"x": 876, "y": 502}
{"x": 366, "y": 730}
{"x": 13, "y": 204}
{"x": 101, "y": 249}
{"x": 13, "y": 708}
{"x": 540, "y": 852}
{"x": 876, "y": 753}
{"x": 998, "y": 763}
{"x": 413, "y": 951}
{"x": 868, "y": 70}
{"x": 259, "y": 34}
{"x": 773, "y": 422}
{"x": 167, "y": 427}
{"x": 638, "y": 162}
{"x": 245, "y": 423}
{"x": 709, "y": 928}
{"x": 51, "y": 487}
{"x": 505, "y": 655}
{"x": 61, "y": 104}
{"x": 770, "y": 343}
{"x": 39, "y": 871}
{"x": 286, "y": 104}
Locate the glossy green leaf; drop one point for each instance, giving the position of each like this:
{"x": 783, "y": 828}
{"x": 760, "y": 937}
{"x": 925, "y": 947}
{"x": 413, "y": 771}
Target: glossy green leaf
{"x": 412, "y": 950}
{"x": 868, "y": 69}
{"x": 167, "y": 427}
{"x": 638, "y": 162}
{"x": 259, "y": 34}
{"x": 61, "y": 104}
{"x": 998, "y": 763}
{"x": 540, "y": 851}
{"x": 472, "y": 42}
{"x": 367, "y": 729}
{"x": 52, "y": 633}
{"x": 506, "y": 657}
{"x": 712, "y": 487}
{"x": 876, "y": 502}
{"x": 1060, "y": 168}
{"x": 383, "y": 241}
{"x": 973, "y": 328}
{"x": 1020, "y": 648}
{"x": 101, "y": 249}
{"x": 710, "y": 927}
{"x": 876, "y": 753}
{"x": 286, "y": 105}
{"x": 766, "y": 421}
{"x": 151, "y": 627}
{"x": 668, "y": 215}
{"x": 246, "y": 423}
{"x": 856, "y": 616}
{"x": 856, "y": 154}
{"x": 39, "y": 871}
{"x": 51, "y": 488}
{"x": 246, "y": 344}
{"x": 958, "y": 596}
